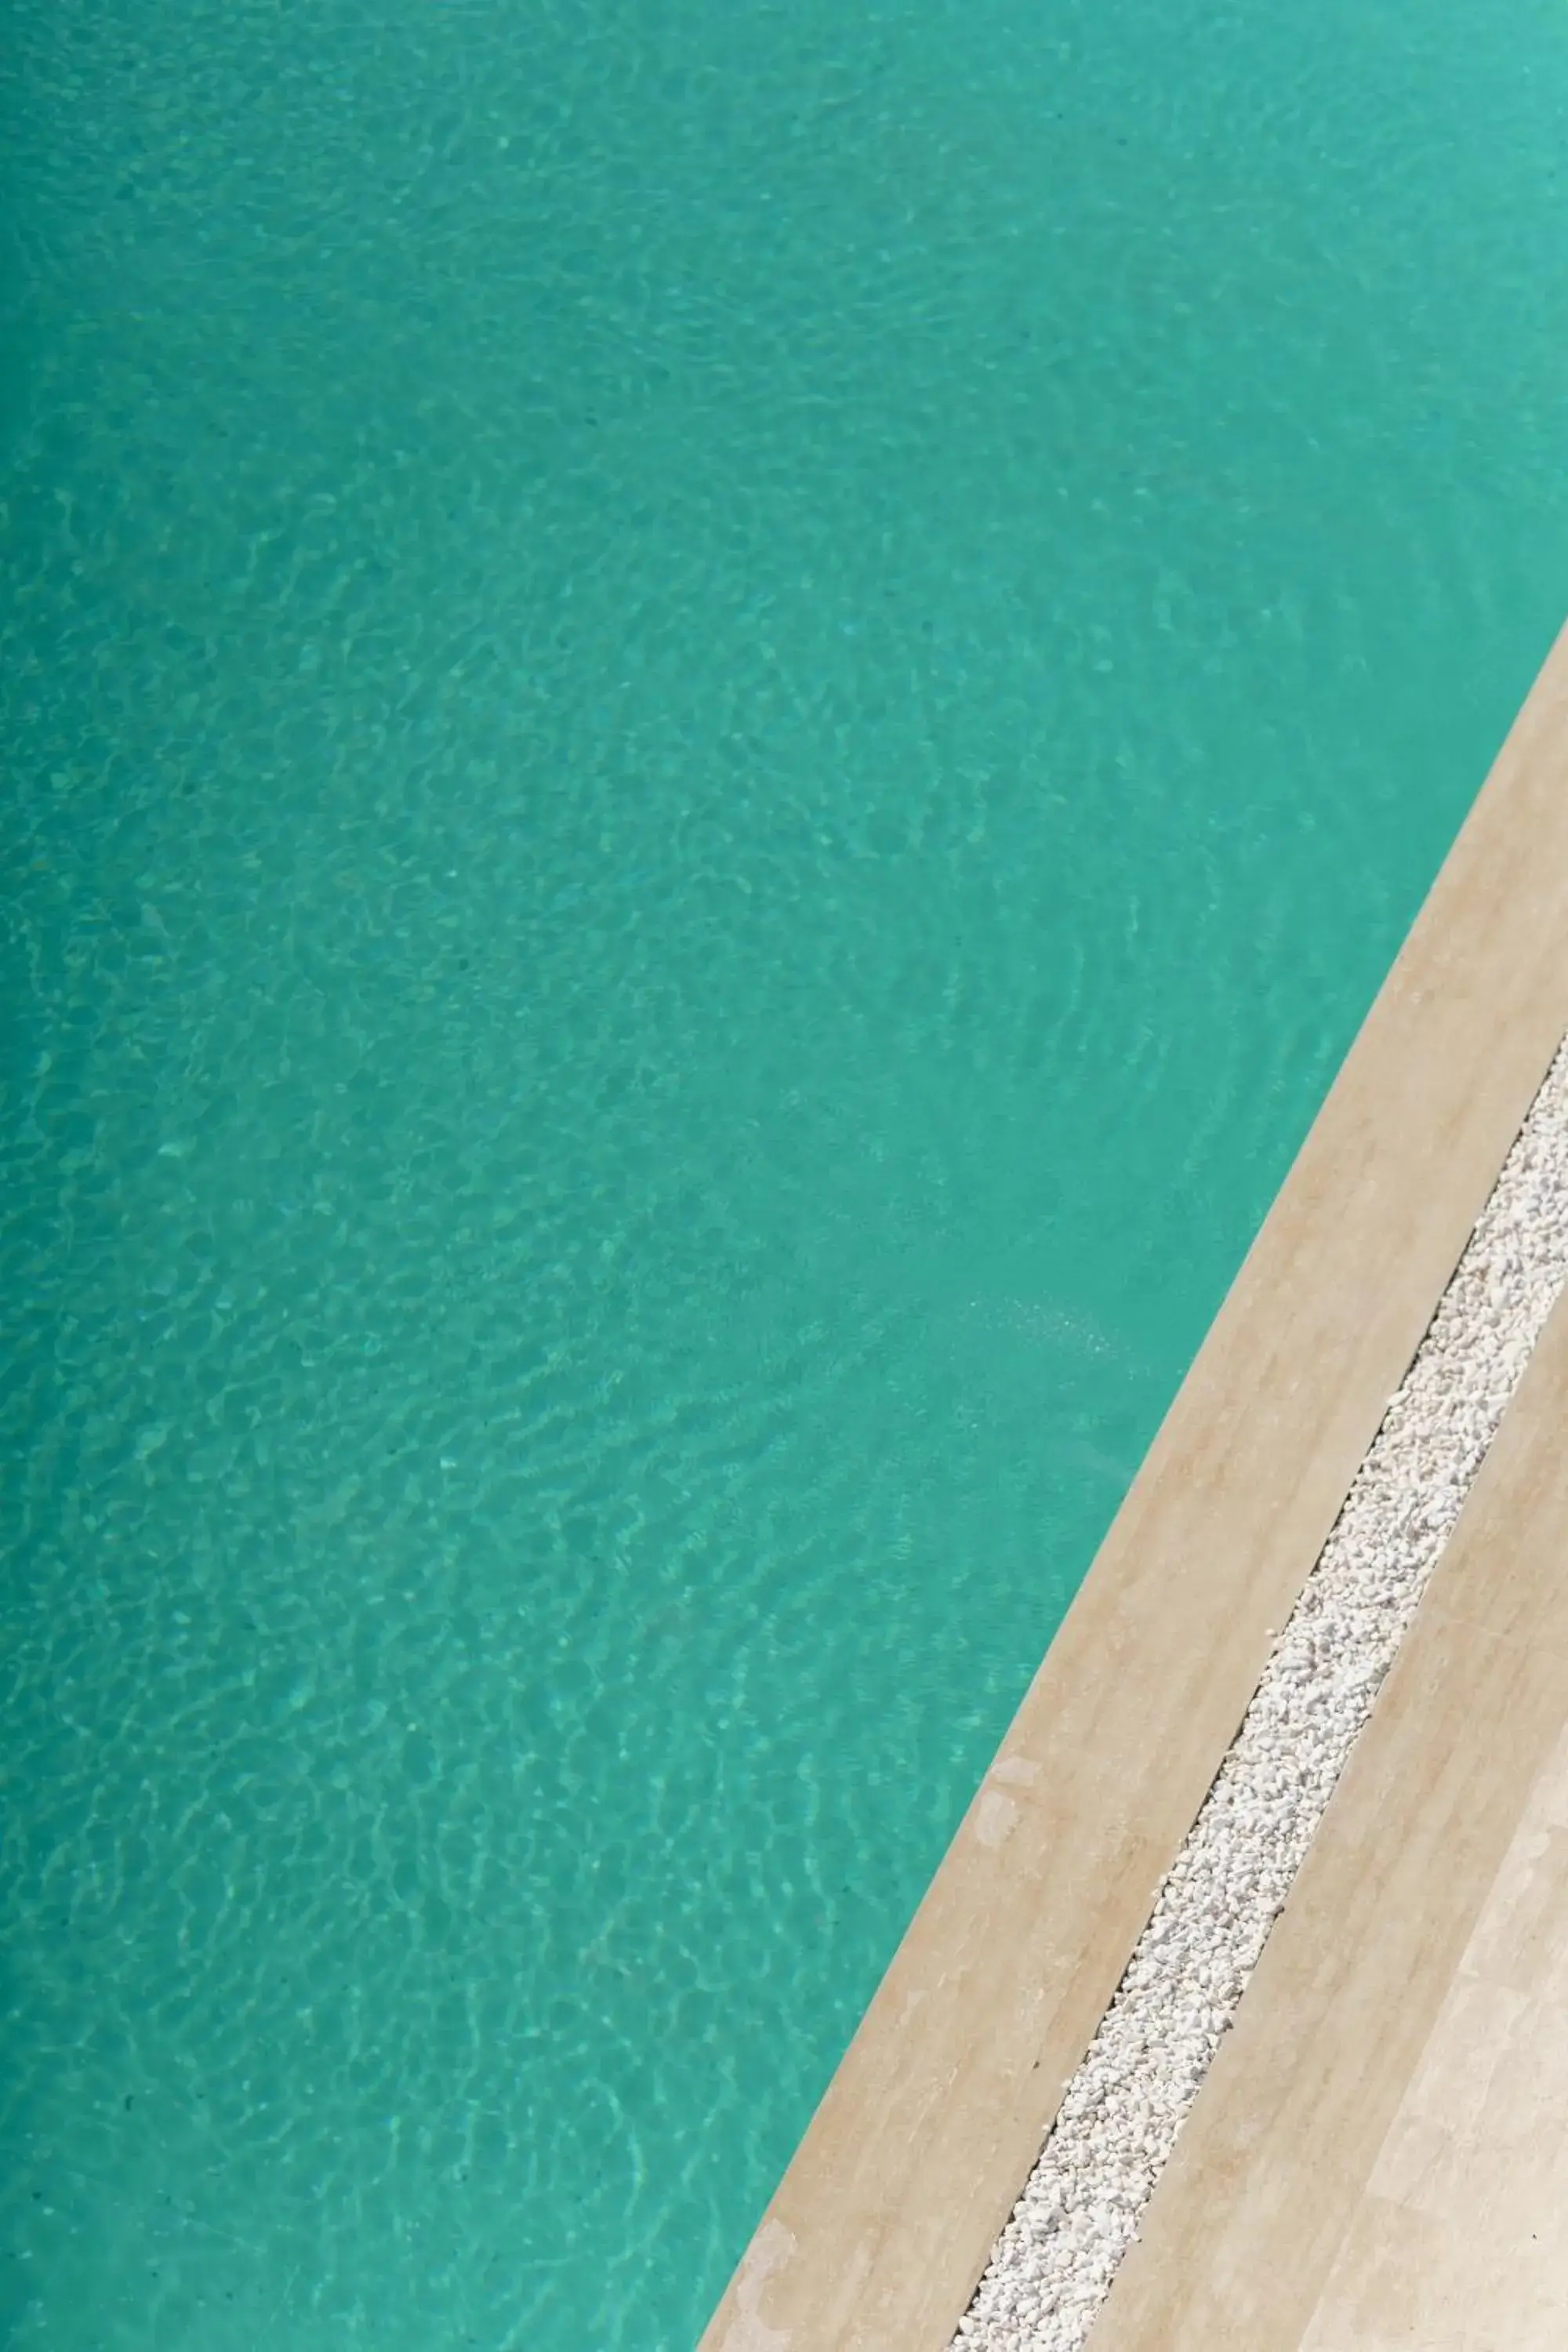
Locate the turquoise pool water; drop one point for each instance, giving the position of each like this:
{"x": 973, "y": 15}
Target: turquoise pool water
{"x": 716, "y": 716}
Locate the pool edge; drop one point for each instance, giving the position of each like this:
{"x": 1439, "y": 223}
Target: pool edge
{"x": 880, "y": 2230}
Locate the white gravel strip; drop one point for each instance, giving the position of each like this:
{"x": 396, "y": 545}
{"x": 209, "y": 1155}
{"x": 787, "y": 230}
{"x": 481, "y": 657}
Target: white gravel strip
{"x": 1120, "y": 2112}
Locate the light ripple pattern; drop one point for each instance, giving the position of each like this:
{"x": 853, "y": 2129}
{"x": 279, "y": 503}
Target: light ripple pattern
{"x": 1124, "y": 2106}
{"x": 715, "y": 714}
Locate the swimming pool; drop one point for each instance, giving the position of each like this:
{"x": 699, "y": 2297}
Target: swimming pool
{"x": 717, "y": 719}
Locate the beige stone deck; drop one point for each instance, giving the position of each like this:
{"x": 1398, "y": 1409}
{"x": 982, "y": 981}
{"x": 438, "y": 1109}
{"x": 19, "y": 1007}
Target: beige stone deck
{"x": 1379, "y": 2157}
{"x": 885, "y": 2219}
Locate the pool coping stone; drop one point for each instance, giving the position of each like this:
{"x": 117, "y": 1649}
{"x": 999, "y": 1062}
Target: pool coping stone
{"x": 878, "y": 2232}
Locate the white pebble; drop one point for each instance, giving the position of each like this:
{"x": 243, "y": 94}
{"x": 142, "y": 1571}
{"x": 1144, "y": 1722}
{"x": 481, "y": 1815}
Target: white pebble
{"x": 1120, "y": 2112}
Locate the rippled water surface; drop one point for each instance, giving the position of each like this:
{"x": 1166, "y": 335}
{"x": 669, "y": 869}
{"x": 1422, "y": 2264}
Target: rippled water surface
{"x": 716, "y": 715}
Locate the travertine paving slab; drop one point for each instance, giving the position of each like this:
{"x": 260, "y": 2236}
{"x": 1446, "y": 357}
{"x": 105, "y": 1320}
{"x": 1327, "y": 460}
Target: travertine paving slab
{"x": 1379, "y": 2155}
{"x": 1459, "y": 2236}
{"x": 884, "y": 2221}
